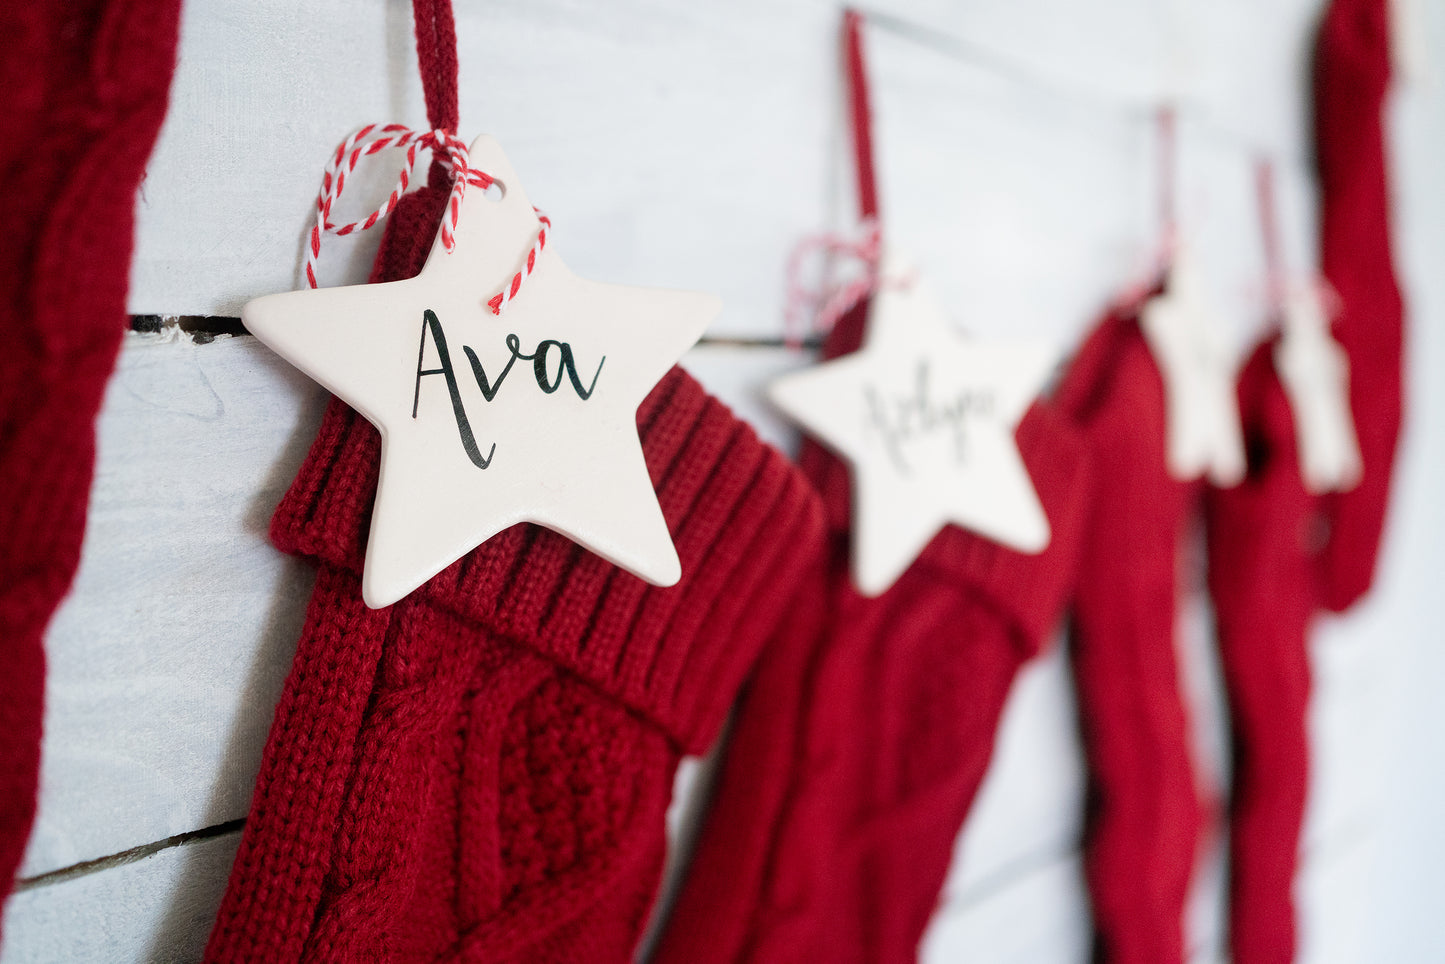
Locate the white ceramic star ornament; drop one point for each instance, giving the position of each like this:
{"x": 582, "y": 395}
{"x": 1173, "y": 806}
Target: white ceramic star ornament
{"x": 487, "y": 421}
{"x": 1194, "y": 358}
{"x": 926, "y": 419}
{"x": 1315, "y": 373}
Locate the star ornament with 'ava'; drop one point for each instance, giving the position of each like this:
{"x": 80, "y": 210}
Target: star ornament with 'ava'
{"x": 926, "y": 420}
{"x": 490, "y": 420}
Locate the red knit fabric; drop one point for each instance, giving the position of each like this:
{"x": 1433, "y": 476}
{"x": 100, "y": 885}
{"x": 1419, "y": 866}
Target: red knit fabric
{"x": 1143, "y": 813}
{"x": 84, "y": 87}
{"x": 867, "y": 729}
{"x": 1276, "y": 553}
{"x": 1352, "y": 75}
{"x": 1260, "y": 576}
{"x": 480, "y": 772}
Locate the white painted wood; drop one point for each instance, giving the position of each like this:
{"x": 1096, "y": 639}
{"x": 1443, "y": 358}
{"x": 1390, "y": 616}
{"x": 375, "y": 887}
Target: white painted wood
{"x": 690, "y": 146}
{"x": 1038, "y": 915}
{"x": 703, "y": 144}
{"x": 1031, "y": 804}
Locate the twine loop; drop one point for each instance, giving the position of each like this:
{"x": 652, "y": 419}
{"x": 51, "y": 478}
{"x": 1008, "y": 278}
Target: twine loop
{"x": 447, "y": 149}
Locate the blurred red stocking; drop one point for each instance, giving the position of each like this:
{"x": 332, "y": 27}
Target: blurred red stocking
{"x": 85, "y": 85}
{"x": 1143, "y": 815}
{"x": 1278, "y": 554}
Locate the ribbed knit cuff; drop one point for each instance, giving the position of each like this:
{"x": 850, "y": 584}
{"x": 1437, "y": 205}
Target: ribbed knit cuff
{"x": 1028, "y": 591}
{"x": 744, "y": 521}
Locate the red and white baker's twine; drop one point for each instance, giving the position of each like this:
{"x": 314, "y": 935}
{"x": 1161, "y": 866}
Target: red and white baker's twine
{"x": 451, "y": 151}
{"x": 865, "y": 249}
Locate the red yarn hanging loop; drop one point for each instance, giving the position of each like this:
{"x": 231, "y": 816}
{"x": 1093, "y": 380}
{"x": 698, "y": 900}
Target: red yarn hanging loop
{"x": 866, "y": 248}
{"x": 436, "y": 57}
{"x": 436, "y": 54}
{"x": 860, "y": 114}
{"x": 436, "y": 49}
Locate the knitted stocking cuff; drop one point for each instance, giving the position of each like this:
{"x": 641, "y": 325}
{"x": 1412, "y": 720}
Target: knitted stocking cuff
{"x": 743, "y": 520}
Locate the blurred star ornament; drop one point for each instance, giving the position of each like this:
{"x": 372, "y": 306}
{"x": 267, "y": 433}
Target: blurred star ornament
{"x": 926, "y": 419}
{"x": 1202, "y": 411}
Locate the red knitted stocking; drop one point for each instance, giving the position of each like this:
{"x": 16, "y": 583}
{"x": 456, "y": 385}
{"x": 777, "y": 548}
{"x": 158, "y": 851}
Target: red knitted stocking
{"x": 867, "y": 730}
{"x": 1352, "y": 75}
{"x": 1143, "y": 816}
{"x": 480, "y": 771}
{"x": 1262, "y": 584}
{"x": 85, "y": 85}
{"x": 1266, "y": 573}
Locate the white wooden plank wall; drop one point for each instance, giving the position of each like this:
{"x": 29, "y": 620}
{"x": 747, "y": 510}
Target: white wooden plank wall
{"x": 691, "y": 145}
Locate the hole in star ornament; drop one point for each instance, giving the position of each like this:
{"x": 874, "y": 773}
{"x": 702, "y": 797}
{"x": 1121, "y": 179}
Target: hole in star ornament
{"x": 926, "y": 420}
{"x": 490, "y": 420}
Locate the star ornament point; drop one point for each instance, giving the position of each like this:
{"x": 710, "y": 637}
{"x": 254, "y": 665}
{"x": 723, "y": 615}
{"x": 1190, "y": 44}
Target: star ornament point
{"x": 490, "y": 420}
{"x": 926, "y": 420}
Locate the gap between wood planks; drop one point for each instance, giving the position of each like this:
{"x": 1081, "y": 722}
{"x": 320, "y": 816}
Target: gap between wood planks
{"x": 129, "y": 856}
{"x": 203, "y": 330}
{"x": 1005, "y": 877}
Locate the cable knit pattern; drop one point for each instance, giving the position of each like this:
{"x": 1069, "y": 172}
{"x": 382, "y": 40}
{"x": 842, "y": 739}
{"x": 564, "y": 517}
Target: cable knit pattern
{"x": 481, "y": 771}
{"x": 1143, "y": 811}
{"x": 85, "y": 84}
{"x": 1269, "y": 567}
{"x": 867, "y": 729}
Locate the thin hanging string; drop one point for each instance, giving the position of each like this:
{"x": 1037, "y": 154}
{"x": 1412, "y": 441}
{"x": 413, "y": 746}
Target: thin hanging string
{"x": 826, "y": 307}
{"x": 1278, "y": 285}
{"x": 1274, "y": 278}
{"x": 1167, "y": 131}
{"x": 436, "y": 45}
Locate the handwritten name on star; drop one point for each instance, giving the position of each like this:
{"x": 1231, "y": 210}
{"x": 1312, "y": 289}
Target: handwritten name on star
{"x": 920, "y": 415}
{"x": 431, "y": 326}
